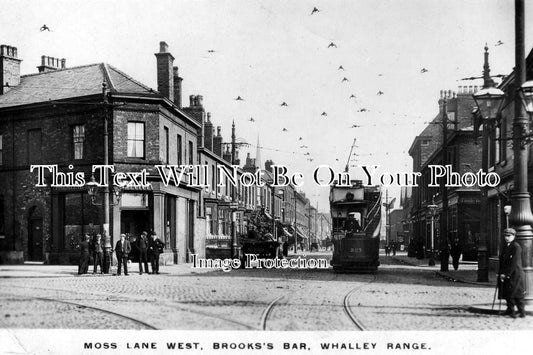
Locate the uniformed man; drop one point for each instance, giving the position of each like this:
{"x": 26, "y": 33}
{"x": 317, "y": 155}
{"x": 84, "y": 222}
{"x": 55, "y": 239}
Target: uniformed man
{"x": 511, "y": 277}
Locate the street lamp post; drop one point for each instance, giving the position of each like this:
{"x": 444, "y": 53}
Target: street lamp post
{"x": 521, "y": 217}
{"x": 489, "y": 101}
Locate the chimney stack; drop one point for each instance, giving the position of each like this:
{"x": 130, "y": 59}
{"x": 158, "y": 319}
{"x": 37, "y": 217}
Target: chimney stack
{"x": 268, "y": 165}
{"x": 217, "y": 143}
{"x": 177, "y": 87}
{"x": 208, "y": 133}
{"x": 9, "y": 68}
{"x": 227, "y": 155}
{"x": 165, "y": 71}
{"x": 51, "y": 64}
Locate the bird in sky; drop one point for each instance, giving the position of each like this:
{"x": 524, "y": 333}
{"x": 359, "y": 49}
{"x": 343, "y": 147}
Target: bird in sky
{"x": 423, "y": 70}
{"x": 352, "y": 96}
{"x": 251, "y": 119}
{"x": 332, "y": 45}
{"x": 45, "y": 28}
{"x": 324, "y": 114}
{"x": 307, "y": 154}
{"x": 315, "y": 10}
{"x": 362, "y": 110}
{"x": 239, "y": 98}
{"x": 300, "y": 138}
{"x": 211, "y": 51}
{"x": 380, "y": 74}
{"x": 284, "y": 130}
{"x": 344, "y": 79}
{"x": 340, "y": 67}
{"x": 499, "y": 43}
{"x": 380, "y": 92}
{"x": 355, "y": 126}
{"x": 284, "y": 104}
{"x": 303, "y": 146}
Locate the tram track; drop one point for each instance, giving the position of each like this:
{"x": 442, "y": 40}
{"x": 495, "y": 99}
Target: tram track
{"x": 267, "y": 311}
{"x": 348, "y": 308}
{"x": 172, "y": 305}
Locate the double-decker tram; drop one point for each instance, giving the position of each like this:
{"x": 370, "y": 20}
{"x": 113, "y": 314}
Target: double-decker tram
{"x": 356, "y": 220}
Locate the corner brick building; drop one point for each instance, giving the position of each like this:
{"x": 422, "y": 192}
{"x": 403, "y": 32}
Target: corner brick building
{"x": 464, "y": 155}
{"x": 56, "y": 117}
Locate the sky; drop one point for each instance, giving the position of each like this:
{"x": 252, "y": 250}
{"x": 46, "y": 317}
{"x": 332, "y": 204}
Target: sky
{"x": 270, "y": 52}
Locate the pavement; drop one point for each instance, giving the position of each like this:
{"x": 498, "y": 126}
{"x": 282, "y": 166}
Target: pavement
{"x": 39, "y": 270}
{"x": 466, "y": 273}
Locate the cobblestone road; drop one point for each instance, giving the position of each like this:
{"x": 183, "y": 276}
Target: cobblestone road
{"x": 397, "y": 297}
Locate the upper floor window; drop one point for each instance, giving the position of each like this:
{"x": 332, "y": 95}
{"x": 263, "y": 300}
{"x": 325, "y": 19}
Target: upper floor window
{"x": 165, "y": 145}
{"x": 191, "y": 153}
{"x": 1, "y": 150}
{"x": 34, "y": 146}
{"x": 136, "y": 139}
{"x": 78, "y": 141}
{"x": 180, "y": 150}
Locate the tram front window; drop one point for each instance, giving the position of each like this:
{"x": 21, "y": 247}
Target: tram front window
{"x": 353, "y": 222}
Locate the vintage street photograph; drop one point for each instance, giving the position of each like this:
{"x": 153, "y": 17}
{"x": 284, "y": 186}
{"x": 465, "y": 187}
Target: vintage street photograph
{"x": 269, "y": 176}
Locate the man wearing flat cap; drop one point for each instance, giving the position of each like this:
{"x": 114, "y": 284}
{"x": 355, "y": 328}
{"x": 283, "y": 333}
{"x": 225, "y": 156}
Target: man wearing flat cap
{"x": 511, "y": 277}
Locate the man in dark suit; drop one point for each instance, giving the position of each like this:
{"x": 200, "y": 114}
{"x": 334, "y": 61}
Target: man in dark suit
{"x": 98, "y": 254}
{"x": 122, "y": 250}
{"x": 512, "y": 280}
{"x": 156, "y": 247}
{"x": 142, "y": 245}
{"x": 84, "y": 255}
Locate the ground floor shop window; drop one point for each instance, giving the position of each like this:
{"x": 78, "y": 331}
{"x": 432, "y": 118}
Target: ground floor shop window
{"x": 79, "y": 217}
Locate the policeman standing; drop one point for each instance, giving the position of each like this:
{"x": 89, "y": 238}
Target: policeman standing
{"x": 511, "y": 277}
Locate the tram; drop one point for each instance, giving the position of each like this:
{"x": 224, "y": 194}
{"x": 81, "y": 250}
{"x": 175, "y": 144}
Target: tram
{"x": 356, "y": 221}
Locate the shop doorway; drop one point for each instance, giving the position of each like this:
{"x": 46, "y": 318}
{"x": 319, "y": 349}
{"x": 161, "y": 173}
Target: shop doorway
{"x": 134, "y": 222}
{"x": 35, "y": 240}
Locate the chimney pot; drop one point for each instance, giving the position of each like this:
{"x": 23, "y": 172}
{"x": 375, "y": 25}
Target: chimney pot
{"x": 9, "y": 68}
{"x": 165, "y": 75}
{"x": 177, "y": 87}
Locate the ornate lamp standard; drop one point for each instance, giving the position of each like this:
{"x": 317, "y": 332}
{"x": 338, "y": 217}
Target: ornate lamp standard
{"x": 520, "y": 218}
{"x": 489, "y": 101}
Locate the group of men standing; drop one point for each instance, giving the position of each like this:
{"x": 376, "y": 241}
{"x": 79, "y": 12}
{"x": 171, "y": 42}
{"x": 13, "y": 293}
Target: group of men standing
{"x": 149, "y": 247}
{"x": 149, "y": 250}
{"x": 95, "y": 248}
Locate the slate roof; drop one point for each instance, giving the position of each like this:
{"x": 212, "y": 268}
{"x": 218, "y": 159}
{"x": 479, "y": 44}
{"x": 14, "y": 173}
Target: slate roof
{"x": 70, "y": 82}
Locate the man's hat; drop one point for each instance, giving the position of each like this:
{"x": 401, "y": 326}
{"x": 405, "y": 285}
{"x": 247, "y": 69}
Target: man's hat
{"x": 509, "y": 231}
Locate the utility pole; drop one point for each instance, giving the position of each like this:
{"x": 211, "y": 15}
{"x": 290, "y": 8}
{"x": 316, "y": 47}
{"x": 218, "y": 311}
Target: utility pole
{"x": 106, "y": 162}
{"x": 444, "y": 252}
{"x": 295, "y": 225}
{"x": 234, "y": 245}
{"x": 309, "y": 224}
